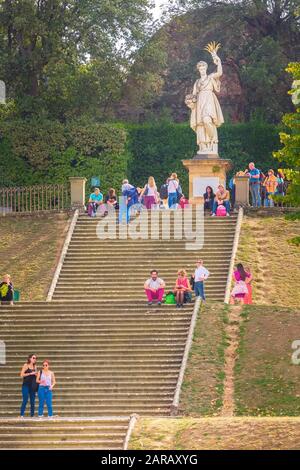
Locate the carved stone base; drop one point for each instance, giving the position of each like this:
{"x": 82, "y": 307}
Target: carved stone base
{"x": 205, "y": 156}
{"x": 209, "y": 171}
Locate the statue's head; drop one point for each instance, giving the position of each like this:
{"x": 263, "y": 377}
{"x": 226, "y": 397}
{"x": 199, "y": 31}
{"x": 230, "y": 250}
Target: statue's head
{"x": 202, "y": 66}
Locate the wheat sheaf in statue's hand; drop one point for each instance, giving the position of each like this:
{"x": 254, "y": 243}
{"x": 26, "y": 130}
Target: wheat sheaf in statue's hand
{"x": 212, "y": 48}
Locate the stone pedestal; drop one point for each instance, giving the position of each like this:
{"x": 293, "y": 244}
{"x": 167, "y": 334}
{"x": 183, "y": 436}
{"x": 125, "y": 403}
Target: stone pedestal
{"x": 205, "y": 170}
{"x": 241, "y": 190}
{"x": 77, "y": 192}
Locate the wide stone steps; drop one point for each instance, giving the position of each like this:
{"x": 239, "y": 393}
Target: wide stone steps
{"x": 111, "y": 353}
{"x": 96, "y": 433}
{"x": 109, "y": 359}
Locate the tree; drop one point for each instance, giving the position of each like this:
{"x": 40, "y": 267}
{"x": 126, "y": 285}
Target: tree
{"x": 40, "y": 37}
{"x": 290, "y": 153}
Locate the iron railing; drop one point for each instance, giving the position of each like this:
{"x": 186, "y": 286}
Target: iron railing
{"x": 28, "y": 199}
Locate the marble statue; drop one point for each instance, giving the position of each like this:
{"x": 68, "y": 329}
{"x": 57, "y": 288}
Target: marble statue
{"x": 206, "y": 113}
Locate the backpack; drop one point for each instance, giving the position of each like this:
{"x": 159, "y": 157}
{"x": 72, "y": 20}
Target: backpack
{"x": 170, "y": 298}
{"x": 221, "y": 211}
{"x": 164, "y": 191}
{"x": 179, "y": 193}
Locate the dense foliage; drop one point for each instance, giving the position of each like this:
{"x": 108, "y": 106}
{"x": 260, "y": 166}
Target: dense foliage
{"x": 290, "y": 152}
{"x": 35, "y": 151}
{"x": 157, "y": 149}
{"x": 42, "y": 151}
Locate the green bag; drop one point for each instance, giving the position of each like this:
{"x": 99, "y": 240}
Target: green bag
{"x": 16, "y": 297}
{"x": 170, "y": 298}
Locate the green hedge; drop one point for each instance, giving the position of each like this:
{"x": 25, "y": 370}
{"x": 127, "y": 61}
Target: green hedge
{"x": 157, "y": 149}
{"x": 42, "y": 151}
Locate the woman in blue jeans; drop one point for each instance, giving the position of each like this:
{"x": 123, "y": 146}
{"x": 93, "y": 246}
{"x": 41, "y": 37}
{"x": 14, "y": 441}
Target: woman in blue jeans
{"x": 173, "y": 186}
{"x": 28, "y": 374}
{"x": 46, "y": 381}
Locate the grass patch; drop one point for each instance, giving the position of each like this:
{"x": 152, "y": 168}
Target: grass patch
{"x": 266, "y": 381}
{"x": 29, "y": 250}
{"x": 274, "y": 262}
{"x": 202, "y": 389}
{"x": 294, "y": 241}
{"x": 216, "y": 434}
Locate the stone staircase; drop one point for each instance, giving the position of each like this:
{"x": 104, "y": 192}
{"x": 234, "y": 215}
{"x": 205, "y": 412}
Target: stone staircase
{"x": 116, "y": 269}
{"x": 63, "y": 434}
{"x": 109, "y": 359}
{"x": 111, "y": 353}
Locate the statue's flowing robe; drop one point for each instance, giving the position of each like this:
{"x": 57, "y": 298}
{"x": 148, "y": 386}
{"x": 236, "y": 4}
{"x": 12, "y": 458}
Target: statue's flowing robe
{"x": 207, "y": 104}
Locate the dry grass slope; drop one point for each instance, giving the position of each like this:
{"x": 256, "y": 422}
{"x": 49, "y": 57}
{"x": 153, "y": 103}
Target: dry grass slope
{"x": 275, "y": 263}
{"x": 203, "y": 382}
{"x": 216, "y": 434}
{"x": 29, "y": 250}
{"x": 266, "y": 380}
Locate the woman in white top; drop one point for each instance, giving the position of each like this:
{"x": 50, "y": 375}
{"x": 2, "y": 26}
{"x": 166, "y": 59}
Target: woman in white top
{"x": 172, "y": 190}
{"x": 46, "y": 380}
{"x": 149, "y": 193}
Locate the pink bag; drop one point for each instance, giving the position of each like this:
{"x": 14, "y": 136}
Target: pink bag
{"x": 221, "y": 211}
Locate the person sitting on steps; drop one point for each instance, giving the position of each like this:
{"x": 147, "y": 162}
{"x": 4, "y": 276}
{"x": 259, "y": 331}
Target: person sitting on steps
{"x": 154, "y": 288}
{"x": 6, "y": 290}
{"x": 222, "y": 198}
{"x": 95, "y": 201}
{"x": 182, "y": 287}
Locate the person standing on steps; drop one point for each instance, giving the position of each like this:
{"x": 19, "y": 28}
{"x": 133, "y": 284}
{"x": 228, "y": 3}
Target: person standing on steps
{"x": 46, "y": 380}
{"x": 28, "y": 374}
{"x": 200, "y": 276}
{"x": 163, "y": 194}
{"x": 173, "y": 187}
{"x": 254, "y": 181}
{"x": 240, "y": 290}
{"x": 182, "y": 287}
{"x": 150, "y": 194}
{"x": 154, "y": 288}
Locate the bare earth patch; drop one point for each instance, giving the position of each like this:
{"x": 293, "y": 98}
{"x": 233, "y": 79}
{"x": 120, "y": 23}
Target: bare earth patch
{"x": 29, "y": 250}
{"x": 233, "y": 333}
{"x": 216, "y": 434}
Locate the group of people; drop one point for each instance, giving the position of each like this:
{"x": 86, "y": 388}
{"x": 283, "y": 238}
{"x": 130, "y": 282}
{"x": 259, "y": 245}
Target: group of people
{"x": 155, "y": 286}
{"x": 39, "y": 382}
{"x": 263, "y": 187}
{"x": 218, "y": 203}
{"x": 148, "y": 197}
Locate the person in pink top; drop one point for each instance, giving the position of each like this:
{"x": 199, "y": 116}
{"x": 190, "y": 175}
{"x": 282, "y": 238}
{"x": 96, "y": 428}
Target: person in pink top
{"x": 184, "y": 202}
{"x": 240, "y": 290}
{"x": 181, "y": 287}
